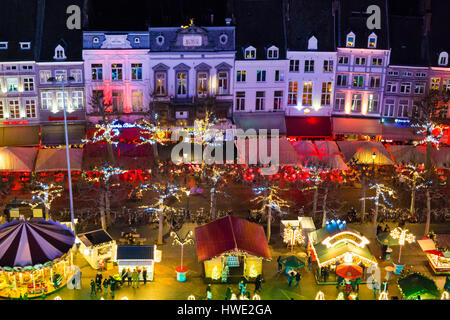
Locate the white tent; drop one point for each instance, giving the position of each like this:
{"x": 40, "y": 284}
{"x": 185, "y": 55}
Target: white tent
{"x": 320, "y": 153}
{"x": 17, "y": 159}
{"x": 56, "y": 160}
{"x": 362, "y": 152}
{"x": 405, "y": 154}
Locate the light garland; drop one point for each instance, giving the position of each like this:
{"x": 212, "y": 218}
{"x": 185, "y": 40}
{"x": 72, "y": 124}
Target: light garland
{"x": 402, "y": 235}
{"x": 427, "y": 129}
{"x": 177, "y": 240}
{"x": 383, "y": 296}
{"x": 47, "y": 194}
{"x": 215, "y": 275}
{"x": 154, "y": 132}
{"x": 253, "y": 273}
{"x": 381, "y": 190}
{"x": 271, "y": 199}
{"x": 105, "y": 133}
{"x": 320, "y": 296}
{"x": 293, "y": 235}
{"x": 106, "y": 172}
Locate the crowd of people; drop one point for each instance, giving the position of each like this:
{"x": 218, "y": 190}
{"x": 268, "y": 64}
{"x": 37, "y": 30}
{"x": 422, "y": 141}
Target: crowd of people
{"x": 103, "y": 284}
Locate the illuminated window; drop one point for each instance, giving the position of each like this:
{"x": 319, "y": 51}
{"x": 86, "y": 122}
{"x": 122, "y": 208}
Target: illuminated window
{"x": 375, "y": 81}
{"x": 372, "y": 41}
{"x": 339, "y": 103}
{"x": 222, "y": 79}
{"x": 77, "y": 75}
{"x": 292, "y": 93}
{"x": 160, "y": 83}
{"x": 389, "y": 108}
{"x": 358, "y": 81}
{"x": 443, "y": 59}
{"x": 272, "y": 53}
{"x": 405, "y": 87}
{"x": 342, "y": 60}
{"x": 250, "y": 53}
{"x": 260, "y": 97}
{"x": 59, "y": 100}
{"x": 46, "y": 100}
{"x": 240, "y": 100}
{"x": 328, "y": 66}
{"x": 341, "y": 80}
{"x": 377, "y": 61}
{"x": 241, "y": 75}
{"x": 307, "y": 93}
{"x": 419, "y": 88}
{"x": 181, "y": 84}
{"x": 202, "y": 84}
{"x": 59, "y": 53}
{"x": 326, "y": 94}
{"x": 294, "y": 65}
{"x": 446, "y": 85}
{"x": 13, "y": 84}
{"x": 137, "y": 100}
{"x": 14, "y": 109}
{"x": 97, "y": 72}
{"x": 277, "y": 100}
{"x": 350, "y": 40}
{"x": 356, "y": 102}
{"x": 116, "y": 72}
{"x": 372, "y": 104}
{"x": 360, "y": 61}
{"x": 2, "y": 111}
{"x": 30, "y": 108}
{"x": 136, "y": 71}
{"x": 77, "y": 99}
{"x": 391, "y": 86}
{"x": 61, "y": 75}
{"x": 117, "y": 101}
{"x": 435, "y": 83}
{"x": 402, "y": 111}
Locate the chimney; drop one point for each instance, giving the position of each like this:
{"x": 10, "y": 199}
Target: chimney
{"x": 212, "y": 19}
{"x": 227, "y": 21}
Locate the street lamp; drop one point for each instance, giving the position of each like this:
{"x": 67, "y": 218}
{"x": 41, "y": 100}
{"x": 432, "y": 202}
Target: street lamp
{"x": 403, "y": 236}
{"x": 62, "y": 82}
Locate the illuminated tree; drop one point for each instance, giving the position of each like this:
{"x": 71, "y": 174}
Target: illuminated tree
{"x": 414, "y": 176}
{"x": 45, "y": 194}
{"x": 215, "y": 176}
{"x": 380, "y": 192}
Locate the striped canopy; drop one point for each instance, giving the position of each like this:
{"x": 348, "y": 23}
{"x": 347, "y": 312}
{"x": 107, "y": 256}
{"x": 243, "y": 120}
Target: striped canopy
{"x": 24, "y": 243}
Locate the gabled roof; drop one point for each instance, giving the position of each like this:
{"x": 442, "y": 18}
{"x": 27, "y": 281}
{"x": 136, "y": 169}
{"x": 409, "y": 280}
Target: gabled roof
{"x": 259, "y": 23}
{"x": 95, "y": 237}
{"x": 135, "y": 252}
{"x": 229, "y": 234}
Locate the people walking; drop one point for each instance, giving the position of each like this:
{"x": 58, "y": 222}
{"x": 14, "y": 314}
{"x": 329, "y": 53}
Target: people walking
{"x": 280, "y": 266}
{"x": 208, "y": 293}
{"x": 135, "y": 278}
{"x": 291, "y": 277}
{"x": 375, "y": 287}
{"x": 379, "y": 229}
{"x": 228, "y": 293}
{"x": 129, "y": 276}
{"x": 358, "y": 281}
{"x": 112, "y": 288}
{"x": 98, "y": 280}
{"x": 258, "y": 283}
{"x": 298, "y": 276}
{"x": 144, "y": 276}
{"x": 93, "y": 288}
{"x": 384, "y": 285}
{"x": 106, "y": 285}
{"x": 326, "y": 273}
{"x": 309, "y": 262}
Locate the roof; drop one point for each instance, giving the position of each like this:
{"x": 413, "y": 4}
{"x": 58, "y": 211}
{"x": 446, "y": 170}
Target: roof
{"x": 308, "y": 126}
{"x": 17, "y": 159}
{"x": 362, "y": 152}
{"x": 135, "y": 252}
{"x": 353, "y": 18}
{"x": 55, "y": 159}
{"x": 417, "y": 284}
{"x": 259, "y": 23}
{"x": 306, "y": 18}
{"x": 95, "y": 237}
{"x": 229, "y": 234}
{"x": 440, "y": 21}
{"x": 24, "y": 243}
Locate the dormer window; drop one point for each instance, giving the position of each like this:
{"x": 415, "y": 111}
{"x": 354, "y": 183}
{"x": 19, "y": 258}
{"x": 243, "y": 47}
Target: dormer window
{"x": 160, "y": 40}
{"x": 3, "y": 45}
{"x": 250, "y": 53}
{"x": 443, "y": 59}
{"x": 59, "y": 53}
{"x": 372, "y": 41}
{"x": 137, "y": 40}
{"x": 95, "y": 40}
{"x": 272, "y": 53}
{"x": 223, "y": 38}
{"x": 25, "y": 45}
{"x": 312, "y": 43}
{"x": 350, "y": 40}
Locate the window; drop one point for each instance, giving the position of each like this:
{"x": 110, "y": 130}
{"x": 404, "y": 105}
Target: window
{"x": 116, "y": 72}
{"x": 46, "y": 100}
{"x": 446, "y": 85}
{"x": 59, "y": 99}
{"x": 241, "y": 75}
{"x": 372, "y": 43}
{"x": 97, "y": 72}
{"x": 59, "y": 53}
{"x": 137, "y": 40}
{"x": 77, "y": 75}
{"x": 341, "y": 80}
{"x": 28, "y": 84}
{"x": 240, "y": 100}
{"x": 272, "y": 53}
{"x": 27, "y": 67}
{"x": 261, "y": 75}
{"x": 405, "y": 87}
{"x": 415, "y": 112}
{"x": 339, "y": 103}
{"x": 393, "y": 73}
{"x": 389, "y": 108}
{"x": 407, "y": 74}
{"x": 294, "y": 65}
{"x": 292, "y": 93}
{"x": 181, "y": 84}
{"x": 443, "y": 59}
{"x": 3, "y": 45}
{"x": 309, "y": 65}
{"x": 312, "y": 43}
{"x": 356, "y": 102}
{"x": 358, "y": 81}
{"x": 350, "y": 40}
{"x": 13, "y": 84}
{"x": 98, "y": 98}
{"x": 14, "y": 109}
{"x": 375, "y": 81}
{"x": 95, "y": 40}
{"x": 327, "y": 65}
{"x": 419, "y": 88}
{"x": 61, "y": 75}
{"x": 137, "y": 100}
{"x": 160, "y": 40}
{"x": 223, "y": 38}
{"x": 360, "y": 61}
{"x": 160, "y": 83}
{"x": 2, "y": 110}
{"x": 202, "y": 84}
{"x": 279, "y": 75}
{"x": 25, "y": 45}
{"x": 136, "y": 71}
{"x": 402, "y": 109}
{"x": 326, "y": 94}
{"x": 11, "y": 67}
{"x": 391, "y": 86}
{"x": 223, "y": 82}
{"x": 421, "y": 74}
{"x": 77, "y": 99}
{"x": 250, "y": 53}
{"x": 377, "y": 61}
{"x": 372, "y": 103}
{"x": 307, "y": 93}
{"x": 30, "y": 108}
{"x": 342, "y": 60}
{"x": 435, "y": 82}
{"x": 260, "y": 100}
{"x": 277, "y": 100}
{"x": 117, "y": 101}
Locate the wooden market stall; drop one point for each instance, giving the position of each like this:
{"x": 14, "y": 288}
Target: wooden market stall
{"x": 138, "y": 258}
{"x": 35, "y": 256}
{"x": 98, "y": 248}
{"x": 231, "y": 242}
{"x": 438, "y": 252}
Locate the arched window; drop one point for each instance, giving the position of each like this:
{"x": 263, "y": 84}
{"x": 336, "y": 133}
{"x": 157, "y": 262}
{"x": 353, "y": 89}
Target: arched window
{"x": 272, "y": 53}
{"x": 250, "y": 53}
{"x": 372, "y": 41}
{"x": 59, "y": 53}
{"x": 350, "y": 40}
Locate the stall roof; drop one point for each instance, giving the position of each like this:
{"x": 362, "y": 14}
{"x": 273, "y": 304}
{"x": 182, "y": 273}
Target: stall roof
{"x": 391, "y": 131}
{"x": 362, "y": 152}
{"x": 320, "y": 153}
{"x": 405, "y": 154}
{"x": 19, "y": 159}
{"x": 228, "y": 234}
{"x": 56, "y": 160}
{"x": 313, "y": 127}
{"x": 370, "y": 127}
{"x": 94, "y": 237}
{"x": 135, "y": 252}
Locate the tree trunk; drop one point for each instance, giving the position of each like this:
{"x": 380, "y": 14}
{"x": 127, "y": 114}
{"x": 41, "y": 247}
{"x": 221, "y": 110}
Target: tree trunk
{"x": 46, "y": 213}
{"x": 428, "y": 157}
{"x": 427, "y": 224}
{"x": 160, "y": 226}
{"x": 213, "y": 204}
{"x": 107, "y": 206}
{"x": 269, "y": 223}
{"x": 413, "y": 200}
{"x": 316, "y": 195}
{"x": 375, "y": 216}
{"x": 324, "y": 207}
{"x": 102, "y": 210}
{"x": 363, "y": 197}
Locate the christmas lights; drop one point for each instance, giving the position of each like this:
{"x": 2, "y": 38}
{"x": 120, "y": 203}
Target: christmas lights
{"x": 429, "y": 129}
{"x": 402, "y": 235}
{"x": 215, "y": 275}
{"x": 320, "y": 296}
{"x": 177, "y": 240}
{"x": 105, "y": 133}
{"x": 293, "y": 235}
{"x": 381, "y": 190}
{"x": 46, "y": 194}
{"x": 383, "y": 296}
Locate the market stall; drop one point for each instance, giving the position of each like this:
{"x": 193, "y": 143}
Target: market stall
{"x": 416, "y": 284}
{"x": 306, "y": 224}
{"x": 437, "y": 252}
{"x": 138, "y": 258}
{"x": 232, "y": 243}
{"x": 35, "y": 256}
{"x": 337, "y": 244}
{"x": 98, "y": 248}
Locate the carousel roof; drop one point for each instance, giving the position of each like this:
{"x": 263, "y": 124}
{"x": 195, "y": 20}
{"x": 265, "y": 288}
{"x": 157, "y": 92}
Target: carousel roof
{"x": 37, "y": 241}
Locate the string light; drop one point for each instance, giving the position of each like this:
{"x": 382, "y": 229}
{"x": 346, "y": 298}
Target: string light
{"x": 428, "y": 128}
{"x": 402, "y": 235}
{"x": 105, "y": 133}
{"x": 381, "y": 190}
{"x": 103, "y": 174}
{"x": 383, "y": 296}
{"x": 320, "y": 296}
{"x": 293, "y": 235}
{"x": 177, "y": 240}
{"x": 46, "y": 194}
{"x": 215, "y": 275}
{"x": 271, "y": 199}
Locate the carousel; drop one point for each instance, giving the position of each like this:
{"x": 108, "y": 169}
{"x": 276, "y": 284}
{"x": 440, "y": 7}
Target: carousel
{"x": 35, "y": 258}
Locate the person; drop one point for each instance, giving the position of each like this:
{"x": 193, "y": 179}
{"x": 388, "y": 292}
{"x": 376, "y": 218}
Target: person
{"x": 258, "y": 283}
{"x": 93, "y": 288}
{"x": 348, "y": 286}
{"x": 208, "y": 293}
{"x": 339, "y": 281}
{"x": 291, "y": 277}
{"x": 144, "y": 275}
{"x": 387, "y": 229}
{"x": 383, "y": 251}
{"x": 379, "y": 229}
{"x": 375, "y": 287}
{"x": 419, "y": 297}
{"x": 112, "y": 288}
{"x": 241, "y": 286}
{"x": 326, "y": 273}
{"x": 358, "y": 281}
{"x": 135, "y": 278}
{"x": 247, "y": 296}
{"x": 129, "y": 276}
{"x": 225, "y": 272}
{"x": 309, "y": 262}
{"x": 98, "y": 280}
{"x": 298, "y": 276}
{"x": 106, "y": 285}
{"x": 447, "y": 284}
{"x": 353, "y": 283}
{"x": 280, "y": 266}
{"x": 384, "y": 285}
{"x": 123, "y": 274}
{"x": 228, "y": 293}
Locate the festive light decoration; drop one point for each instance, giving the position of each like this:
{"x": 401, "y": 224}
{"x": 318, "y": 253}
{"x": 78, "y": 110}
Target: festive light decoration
{"x": 383, "y": 296}
{"x": 154, "y": 133}
{"x": 177, "y": 240}
{"x": 103, "y": 174}
{"x": 256, "y": 297}
{"x": 293, "y": 235}
{"x": 233, "y": 296}
{"x": 191, "y": 297}
{"x": 320, "y": 296}
{"x": 215, "y": 275}
{"x": 381, "y": 190}
{"x": 432, "y": 133}
{"x": 46, "y": 194}
{"x": 346, "y": 236}
{"x": 124, "y": 298}
{"x": 445, "y": 295}
{"x": 57, "y": 298}
{"x": 105, "y": 133}
{"x": 340, "y": 296}
{"x": 403, "y": 236}
{"x": 253, "y": 273}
